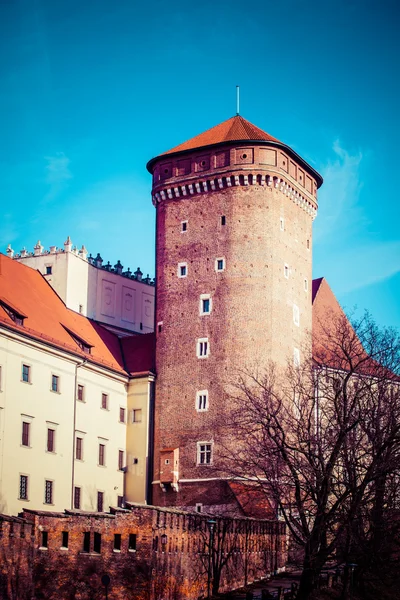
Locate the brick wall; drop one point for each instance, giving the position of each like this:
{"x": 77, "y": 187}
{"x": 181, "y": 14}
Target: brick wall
{"x": 148, "y": 553}
{"x": 251, "y": 320}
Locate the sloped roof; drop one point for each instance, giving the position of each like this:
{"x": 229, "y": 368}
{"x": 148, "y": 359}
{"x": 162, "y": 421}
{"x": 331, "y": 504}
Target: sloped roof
{"x": 47, "y": 319}
{"x": 139, "y": 352}
{"x": 252, "y": 500}
{"x": 232, "y": 130}
{"x": 235, "y": 129}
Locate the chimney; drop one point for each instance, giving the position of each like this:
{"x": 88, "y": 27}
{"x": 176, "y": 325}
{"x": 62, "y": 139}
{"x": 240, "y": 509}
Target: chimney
{"x": 118, "y": 268}
{"x": 38, "y": 249}
{"x": 68, "y": 245}
{"x": 10, "y": 251}
{"x": 83, "y": 252}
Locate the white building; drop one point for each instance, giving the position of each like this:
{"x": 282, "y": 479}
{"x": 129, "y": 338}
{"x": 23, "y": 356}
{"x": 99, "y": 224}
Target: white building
{"x": 120, "y": 299}
{"x": 74, "y": 401}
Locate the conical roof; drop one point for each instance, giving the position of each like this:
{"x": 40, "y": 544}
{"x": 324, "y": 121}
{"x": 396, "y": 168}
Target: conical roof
{"x": 235, "y": 129}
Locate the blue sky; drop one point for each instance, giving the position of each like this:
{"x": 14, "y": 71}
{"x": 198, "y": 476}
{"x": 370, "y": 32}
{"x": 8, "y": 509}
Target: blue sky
{"x": 91, "y": 90}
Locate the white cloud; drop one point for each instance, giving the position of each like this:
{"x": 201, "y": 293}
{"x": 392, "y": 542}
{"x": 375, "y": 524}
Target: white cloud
{"x": 57, "y": 175}
{"x": 339, "y": 195}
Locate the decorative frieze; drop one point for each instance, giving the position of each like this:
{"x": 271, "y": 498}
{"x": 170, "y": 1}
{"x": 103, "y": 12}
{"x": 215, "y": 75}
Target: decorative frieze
{"x": 237, "y": 180}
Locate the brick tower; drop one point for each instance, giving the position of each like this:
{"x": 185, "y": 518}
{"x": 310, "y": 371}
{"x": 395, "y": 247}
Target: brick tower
{"x": 234, "y": 223}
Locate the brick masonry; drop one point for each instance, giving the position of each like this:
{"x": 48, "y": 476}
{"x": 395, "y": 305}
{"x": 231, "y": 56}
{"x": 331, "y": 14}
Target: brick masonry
{"x": 252, "y": 316}
{"x": 160, "y": 554}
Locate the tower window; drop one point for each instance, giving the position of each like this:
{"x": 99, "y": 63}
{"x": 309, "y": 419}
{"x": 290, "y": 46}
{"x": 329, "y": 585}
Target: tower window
{"x": 182, "y": 270}
{"x": 26, "y": 433}
{"x": 45, "y": 539}
{"x": 102, "y": 455}
{"x": 121, "y": 414}
{"x": 120, "y": 460}
{"x": 77, "y": 497}
{"x": 132, "y": 542}
{"x": 203, "y": 348}
{"x": 286, "y": 271}
{"x": 100, "y": 501}
{"x": 81, "y": 396}
{"x": 282, "y": 224}
{"x": 306, "y": 285}
{"x": 64, "y": 539}
{"x": 117, "y": 541}
{"x": 79, "y": 448}
{"x": 184, "y": 225}
{"x": 223, "y": 220}
{"x": 50, "y": 440}
{"x": 202, "y": 401}
{"x": 86, "y": 541}
{"x": 104, "y": 401}
{"x": 205, "y": 304}
{"x": 308, "y": 244}
{"x": 97, "y": 541}
{"x": 48, "y": 270}
{"x": 204, "y": 453}
{"x": 220, "y": 264}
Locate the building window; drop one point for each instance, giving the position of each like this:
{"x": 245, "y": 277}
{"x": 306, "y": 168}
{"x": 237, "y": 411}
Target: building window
{"x": 296, "y": 357}
{"x": 86, "y": 541}
{"x": 100, "y": 501}
{"x": 97, "y": 542}
{"x": 120, "y": 501}
{"x": 64, "y": 539}
{"x": 204, "y": 453}
{"x": 117, "y": 541}
{"x": 286, "y": 271}
{"x": 77, "y": 497}
{"x": 159, "y": 326}
{"x": 205, "y": 304}
{"x": 121, "y": 414}
{"x": 81, "y": 308}
{"x": 26, "y": 429}
{"x": 120, "y": 460}
{"x": 308, "y": 244}
{"x": 50, "y": 439}
{"x": 199, "y": 507}
{"x": 102, "y": 455}
{"x": 81, "y": 393}
{"x": 223, "y": 220}
{"x": 220, "y": 264}
{"x": 296, "y": 315}
{"x": 26, "y": 373}
{"x": 137, "y": 415}
{"x": 182, "y": 269}
{"x": 23, "y": 487}
{"x": 202, "y": 401}
{"x": 48, "y": 492}
{"x": 48, "y": 270}
{"x": 282, "y": 224}
{"x": 184, "y": 225}
{"x": 79, "y": 448}
{"x": 104, "y": 401}
{"x": 45, "y": 539}
{"x": 306, "y": 285}
{"x": 55, "y": 383}
{"x": 132, "y": 542}
{"x": 203, "y": 348}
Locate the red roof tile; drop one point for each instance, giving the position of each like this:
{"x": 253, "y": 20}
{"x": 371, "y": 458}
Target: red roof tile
{"x": 252, "y": 499}
{"x": 139, "y": 352}
{"x": 232, "y": 130}
{"x": 49, "y": 320}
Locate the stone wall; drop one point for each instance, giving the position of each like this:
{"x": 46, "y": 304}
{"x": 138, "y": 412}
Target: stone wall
{"x": 147, "y": 552}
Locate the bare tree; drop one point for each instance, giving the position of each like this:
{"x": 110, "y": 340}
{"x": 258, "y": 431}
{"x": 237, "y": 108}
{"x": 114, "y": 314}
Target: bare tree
{"x": 323, "y": 440}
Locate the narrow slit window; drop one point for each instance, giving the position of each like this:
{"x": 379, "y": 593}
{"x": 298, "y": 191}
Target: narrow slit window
{"x": 97, "y": 542}
{"x": 86, "y": 541}
{"x": 64, "y": 539}
{"x": 223, "y": 220}
{"x": 117, "y": 541}
{"x": 132, "y": 542}
{"x": 184, "y": 226}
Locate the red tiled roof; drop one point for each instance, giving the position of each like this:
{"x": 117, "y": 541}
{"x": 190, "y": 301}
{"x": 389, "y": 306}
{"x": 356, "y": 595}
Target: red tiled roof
{"x": 139, "y": 352}
{"x": 252, "y": 500}
{"x": 234, "y": 129}
{"x": 49, "y": 320}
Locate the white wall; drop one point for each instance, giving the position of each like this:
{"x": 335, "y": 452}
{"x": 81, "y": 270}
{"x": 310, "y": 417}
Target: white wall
{"x": 37, "y": 404}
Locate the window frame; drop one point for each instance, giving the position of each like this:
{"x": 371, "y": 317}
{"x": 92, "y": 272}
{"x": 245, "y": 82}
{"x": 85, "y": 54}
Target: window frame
{"x": 122, "y": 411}
{"x": 100, "y": 500}
{"x": 55, "y": 379}
{"x": 80, "y": 444}
{"x": 80, "y": 388}
{"x": 200, "y": 348}
{"x": 121, "y": 460}
{"x": 217, "y": 260}
{"x": 184, "y": 226}
{"x": 203, "y": 298}
{"x": 26, "y": 497}
{"x": 104, "y": 401}
{"x": 77, "y": 496}
{"x": 296, "y": 315}
{"x": 26, "y": 435}
{"x": 29, "y": 371}
{"x": 49, "y": 489}
{"x": 140, "y": 412}
{"x": 52, "y": 437}
{"x": 286, "y": 271}
{"x": 204, "y": 452}
{"x": 182, "y": 265}
{"x": 199, "y": 394}
{"x": 101, "y": 456}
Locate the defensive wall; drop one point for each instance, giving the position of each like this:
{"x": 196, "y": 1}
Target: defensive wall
{"x": 148, "y": 553}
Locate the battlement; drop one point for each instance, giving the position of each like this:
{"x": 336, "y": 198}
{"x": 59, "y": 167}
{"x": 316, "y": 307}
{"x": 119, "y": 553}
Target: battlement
{"x": 97, "y": 261}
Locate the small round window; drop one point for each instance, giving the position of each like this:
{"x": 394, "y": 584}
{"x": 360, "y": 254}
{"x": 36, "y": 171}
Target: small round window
{"x": 244, "y": 155}
{"x": 203, "y": 163}
{"x": 166, "y": 170}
